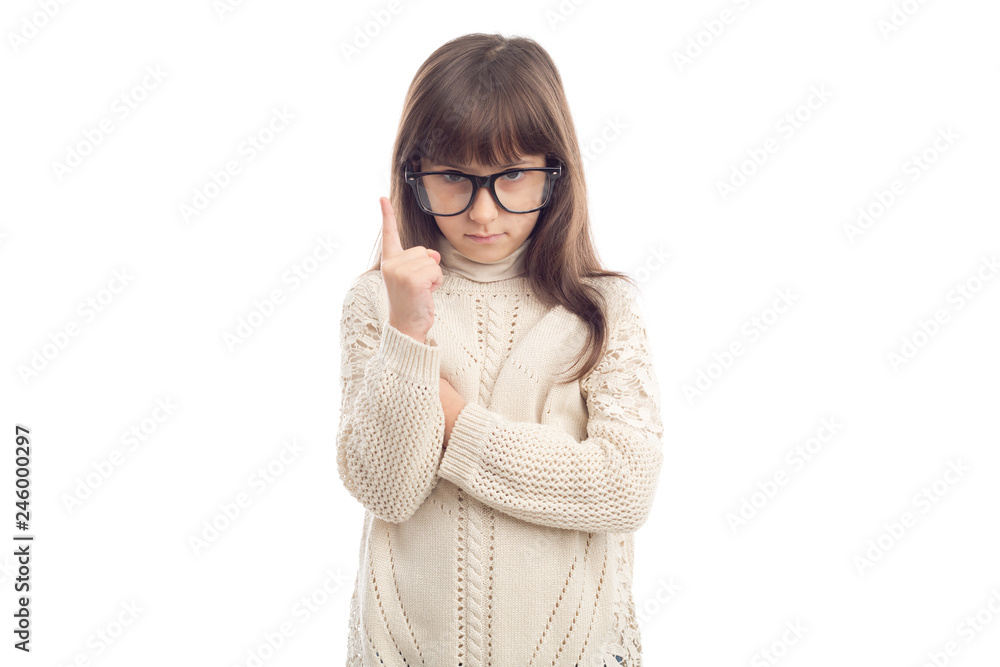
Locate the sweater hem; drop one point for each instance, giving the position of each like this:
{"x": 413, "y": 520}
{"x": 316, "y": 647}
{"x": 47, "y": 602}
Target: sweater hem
{"x": 460, "y": 461}
{"x": 409, "y": 357}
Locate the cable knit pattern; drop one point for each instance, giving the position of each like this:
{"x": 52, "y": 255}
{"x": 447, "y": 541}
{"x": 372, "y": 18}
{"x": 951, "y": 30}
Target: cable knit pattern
{"x": 514, "y": 545}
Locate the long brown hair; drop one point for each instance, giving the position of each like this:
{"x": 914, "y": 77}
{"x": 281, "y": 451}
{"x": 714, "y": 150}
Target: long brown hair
{"x": 494, "y": 99}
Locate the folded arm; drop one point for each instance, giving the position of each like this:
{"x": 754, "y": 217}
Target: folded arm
{"x": 391, "y": 421}
{"x": 541, "y": 474}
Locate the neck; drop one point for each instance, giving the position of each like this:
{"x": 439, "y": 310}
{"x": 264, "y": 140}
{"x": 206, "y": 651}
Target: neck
{"x": 454, "y": 262}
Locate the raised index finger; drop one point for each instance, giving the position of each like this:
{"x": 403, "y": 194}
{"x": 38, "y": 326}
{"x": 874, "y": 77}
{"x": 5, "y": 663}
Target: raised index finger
{"x": 390, "y": 231}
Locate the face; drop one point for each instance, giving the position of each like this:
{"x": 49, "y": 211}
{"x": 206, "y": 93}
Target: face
{"x": 485, "y": 217}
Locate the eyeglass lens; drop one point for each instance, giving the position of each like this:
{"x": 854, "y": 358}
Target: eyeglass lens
{"x": 446, "y": 194}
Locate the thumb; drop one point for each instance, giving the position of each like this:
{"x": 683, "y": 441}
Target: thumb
{"x": 390, "y": 231}
{"x": 434, "y": 254}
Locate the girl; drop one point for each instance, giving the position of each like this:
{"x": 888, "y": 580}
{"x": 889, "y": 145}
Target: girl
{"x": 501, "y": 487}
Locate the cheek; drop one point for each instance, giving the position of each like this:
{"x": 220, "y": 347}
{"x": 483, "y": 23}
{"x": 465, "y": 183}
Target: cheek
{"x": 446, "y": 226}
{"x": 524, "y": 226}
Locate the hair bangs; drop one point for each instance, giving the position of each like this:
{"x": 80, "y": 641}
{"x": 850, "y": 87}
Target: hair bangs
{"x": 486, "y": 127}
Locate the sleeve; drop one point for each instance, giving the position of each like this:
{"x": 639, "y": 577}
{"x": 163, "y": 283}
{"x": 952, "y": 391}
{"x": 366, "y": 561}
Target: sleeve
{"x": 541, "y": 474}
{"x": 391, "y": 420}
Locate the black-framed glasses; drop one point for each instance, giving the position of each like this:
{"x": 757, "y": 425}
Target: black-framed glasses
{"x": 519, "y": 190}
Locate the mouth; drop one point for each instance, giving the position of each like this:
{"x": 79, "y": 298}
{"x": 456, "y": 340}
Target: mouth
{"x": 479, "y": 238}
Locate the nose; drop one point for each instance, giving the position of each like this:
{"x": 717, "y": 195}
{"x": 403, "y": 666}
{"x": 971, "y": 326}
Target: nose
{"x": 484, "y": 209}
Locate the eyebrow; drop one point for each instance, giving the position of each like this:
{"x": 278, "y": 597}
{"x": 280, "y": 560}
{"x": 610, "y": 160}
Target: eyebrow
{"x": 515, "y": 164}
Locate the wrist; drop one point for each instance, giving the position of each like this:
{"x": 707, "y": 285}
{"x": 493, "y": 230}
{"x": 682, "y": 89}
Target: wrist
{"x": 419, "y": 337}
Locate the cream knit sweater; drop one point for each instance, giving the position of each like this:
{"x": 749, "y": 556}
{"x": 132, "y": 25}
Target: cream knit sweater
{"x": 513, "y": 546}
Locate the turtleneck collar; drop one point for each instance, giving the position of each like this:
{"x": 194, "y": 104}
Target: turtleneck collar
{"x": 453, "y": 261}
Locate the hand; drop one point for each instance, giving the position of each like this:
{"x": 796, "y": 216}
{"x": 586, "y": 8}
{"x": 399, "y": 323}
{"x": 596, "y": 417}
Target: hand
{"x": 452, "y": 402}
{"x": 410, "y": 277}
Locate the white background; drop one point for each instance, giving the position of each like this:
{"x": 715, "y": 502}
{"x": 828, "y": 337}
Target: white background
{"x": 710, "y": 592}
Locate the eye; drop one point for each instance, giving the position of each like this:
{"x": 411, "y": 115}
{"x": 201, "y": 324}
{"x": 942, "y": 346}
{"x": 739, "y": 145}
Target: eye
{"x": 513, "y": 176}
